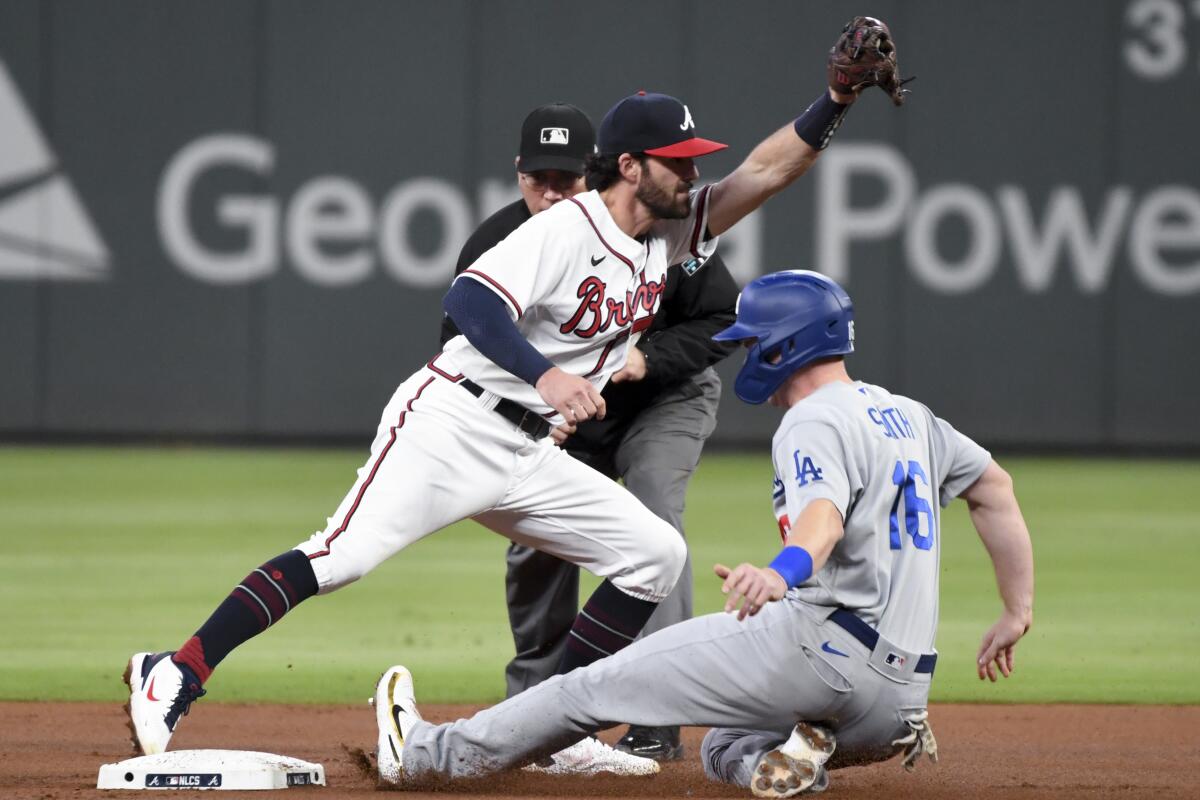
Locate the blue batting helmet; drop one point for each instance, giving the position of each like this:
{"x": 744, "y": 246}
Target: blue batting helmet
{"x": 794, "y": 317}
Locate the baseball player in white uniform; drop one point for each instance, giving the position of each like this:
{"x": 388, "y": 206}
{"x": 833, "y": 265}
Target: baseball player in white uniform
{"x": 548, "y": 316}
{"x": 827, "y": 654}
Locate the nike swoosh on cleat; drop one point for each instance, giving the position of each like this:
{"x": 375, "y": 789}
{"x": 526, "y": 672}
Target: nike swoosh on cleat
{"x": 396, "y": 719}
{"x": 150, "y": 690}
{"x": 830, "y": 649}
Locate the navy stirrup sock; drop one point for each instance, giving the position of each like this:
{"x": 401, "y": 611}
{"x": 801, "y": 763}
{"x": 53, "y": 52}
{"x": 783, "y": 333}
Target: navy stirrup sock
{"x": 608, "y": 622}
{"x": 255, "y": 604}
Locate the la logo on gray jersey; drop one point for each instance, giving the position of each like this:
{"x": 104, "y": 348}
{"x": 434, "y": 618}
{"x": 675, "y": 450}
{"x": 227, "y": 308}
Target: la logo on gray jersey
{"x": 555, "y": 136}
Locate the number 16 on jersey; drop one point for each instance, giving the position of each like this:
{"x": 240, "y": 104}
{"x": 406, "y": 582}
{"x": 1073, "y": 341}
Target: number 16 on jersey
{"x": 905, "y": 477}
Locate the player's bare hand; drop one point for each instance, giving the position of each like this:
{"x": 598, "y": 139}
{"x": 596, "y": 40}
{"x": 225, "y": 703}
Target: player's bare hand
{"x": 751, "y": 586}
{"x": 562, "y": 432}
{"x": 634, "y": 369}
{"x": 996, "y": 650}
{"x": 570, "y": 395}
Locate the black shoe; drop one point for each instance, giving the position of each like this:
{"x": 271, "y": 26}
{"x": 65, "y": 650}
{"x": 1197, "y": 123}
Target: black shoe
{"x": 660, "y": 744}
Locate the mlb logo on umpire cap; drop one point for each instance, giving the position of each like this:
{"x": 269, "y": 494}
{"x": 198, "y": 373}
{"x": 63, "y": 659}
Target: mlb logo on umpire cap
{"x": 558, "y": 136}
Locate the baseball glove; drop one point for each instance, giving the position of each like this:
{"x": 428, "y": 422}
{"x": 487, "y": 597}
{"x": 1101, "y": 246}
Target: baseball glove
{"x": 865, "y": 55}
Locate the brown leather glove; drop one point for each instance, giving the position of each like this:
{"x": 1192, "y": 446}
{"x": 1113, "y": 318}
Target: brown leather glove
{"x": 865, "y": 55}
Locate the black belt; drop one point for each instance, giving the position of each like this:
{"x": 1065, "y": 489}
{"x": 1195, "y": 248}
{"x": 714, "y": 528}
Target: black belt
{"x": 528, "y": 422}
{"x": 869, "y": 637}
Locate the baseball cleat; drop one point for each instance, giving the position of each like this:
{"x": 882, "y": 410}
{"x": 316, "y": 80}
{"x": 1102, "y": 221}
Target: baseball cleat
{"x": 593, "y": 757}
{"x": 160, "y": 692}
{"x": 660, "y": 744}
{"x": 918, "y": 740}
{"x": 798, "y": 765}
{"x": 395, "y": 713}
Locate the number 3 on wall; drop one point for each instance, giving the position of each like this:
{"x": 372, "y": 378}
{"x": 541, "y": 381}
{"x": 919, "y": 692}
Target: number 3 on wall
{"x": 914, "y": 507}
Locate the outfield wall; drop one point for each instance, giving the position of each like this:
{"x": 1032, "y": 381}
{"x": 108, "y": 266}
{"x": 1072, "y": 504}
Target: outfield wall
{"x": 238, "y": 218}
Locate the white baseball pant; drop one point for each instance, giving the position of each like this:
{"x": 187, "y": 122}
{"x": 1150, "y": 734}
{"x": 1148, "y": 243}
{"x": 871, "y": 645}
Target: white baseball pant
{"x": 441, "y": 455}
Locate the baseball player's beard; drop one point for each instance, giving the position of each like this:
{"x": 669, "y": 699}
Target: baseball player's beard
{"x": 661, "y": 204}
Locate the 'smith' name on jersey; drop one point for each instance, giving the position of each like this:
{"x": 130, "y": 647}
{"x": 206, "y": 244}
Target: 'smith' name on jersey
{"x": 579, "y": 290}
{"x": 893, "y": 422}
{"x": 887, "y": 465}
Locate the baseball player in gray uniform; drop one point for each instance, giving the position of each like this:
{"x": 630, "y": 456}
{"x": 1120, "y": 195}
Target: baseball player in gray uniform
{"x": 548, "y": 315}
{"x": 826, "y": 655}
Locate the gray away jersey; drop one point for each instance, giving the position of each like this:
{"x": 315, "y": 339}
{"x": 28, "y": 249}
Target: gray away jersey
{"x": 889, "y": 465}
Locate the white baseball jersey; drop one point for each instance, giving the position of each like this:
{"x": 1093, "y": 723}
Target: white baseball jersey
{"x": 889, "y": 465}
{"x": 579, "y": 289}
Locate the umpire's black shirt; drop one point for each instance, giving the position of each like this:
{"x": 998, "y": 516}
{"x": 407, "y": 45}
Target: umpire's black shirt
{"x": 677, "y": 346}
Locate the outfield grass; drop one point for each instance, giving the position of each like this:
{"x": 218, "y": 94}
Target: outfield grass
{"x": 105, "y": 551}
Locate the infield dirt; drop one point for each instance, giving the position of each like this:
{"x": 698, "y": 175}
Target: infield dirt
{"x": 53, "y": 751}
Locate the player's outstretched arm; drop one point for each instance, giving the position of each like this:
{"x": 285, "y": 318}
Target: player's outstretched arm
{"x": 770, "y": 168}
{"x": 998, "y": 519}
{"x": 817, "y": 530}
{"x": 864, "y": 55}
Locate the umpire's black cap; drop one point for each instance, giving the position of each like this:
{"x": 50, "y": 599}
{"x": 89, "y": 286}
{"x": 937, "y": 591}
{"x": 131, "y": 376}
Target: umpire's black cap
{"x": 557, "y": 136}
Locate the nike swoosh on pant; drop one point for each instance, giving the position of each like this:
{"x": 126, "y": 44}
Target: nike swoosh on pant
{"x": 830, "y": 649}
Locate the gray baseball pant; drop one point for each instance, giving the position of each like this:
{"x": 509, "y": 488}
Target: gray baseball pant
{"x": 656, "y": 458}
{"x": 760, "y": 675}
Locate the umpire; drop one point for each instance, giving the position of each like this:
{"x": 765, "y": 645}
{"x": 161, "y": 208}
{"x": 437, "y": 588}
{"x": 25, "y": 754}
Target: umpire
{"x": 662, "y": 407}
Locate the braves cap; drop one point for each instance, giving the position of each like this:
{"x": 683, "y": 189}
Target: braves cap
{"x": 557, "y": 136}
{"x": 655, "y": 124}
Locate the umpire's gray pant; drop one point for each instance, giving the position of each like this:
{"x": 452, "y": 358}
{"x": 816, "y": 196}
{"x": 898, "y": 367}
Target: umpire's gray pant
{"x": 656, "y": 458}
{"x": 760, "y": 675}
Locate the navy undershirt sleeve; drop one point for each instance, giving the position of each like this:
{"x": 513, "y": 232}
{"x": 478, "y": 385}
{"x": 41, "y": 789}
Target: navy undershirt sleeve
{"x": 483, "y": 318}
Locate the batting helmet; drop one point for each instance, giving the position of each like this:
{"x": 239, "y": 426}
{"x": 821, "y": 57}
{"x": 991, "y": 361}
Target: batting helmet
{"x": 794, "y": 317}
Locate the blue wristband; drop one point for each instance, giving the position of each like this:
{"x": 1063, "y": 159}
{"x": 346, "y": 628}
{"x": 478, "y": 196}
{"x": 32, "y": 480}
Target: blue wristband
{"x": 819, "y": 121}
{"x": 794, "y": 564}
